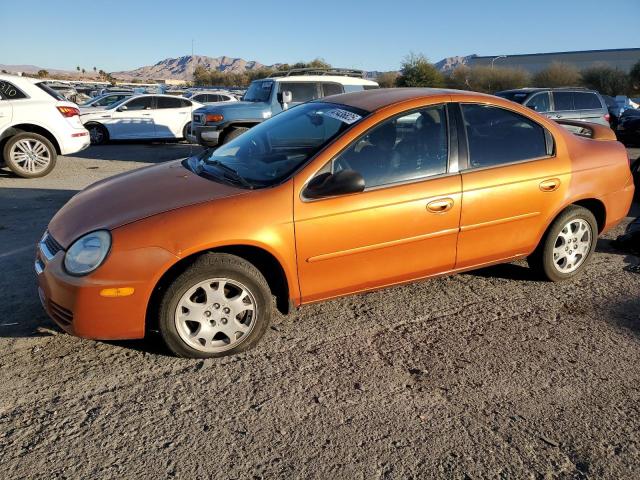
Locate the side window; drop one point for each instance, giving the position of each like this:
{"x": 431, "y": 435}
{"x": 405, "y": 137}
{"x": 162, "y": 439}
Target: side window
{"x": 331, "y": 89}
{"x": 404, "y": 148}
{"x": 300, "y": 92}
{"x": 143, "y": 103}
{"x": 184, "y": 103}
{"x": 497, "y": 136}
{"x": 539, "y": 102}
{"x": 200, "y": 98}
{"x": 167, "y": 102}
{"x": 562, "y": 101}
{"x": 586, "y": 101}
{"x": 10, "y": 91}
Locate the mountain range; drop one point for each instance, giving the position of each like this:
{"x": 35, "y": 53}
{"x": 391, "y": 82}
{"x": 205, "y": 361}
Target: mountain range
{"x": 182, "y": 68}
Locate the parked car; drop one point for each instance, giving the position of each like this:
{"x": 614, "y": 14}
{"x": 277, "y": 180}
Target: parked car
{"x": 340, "y": 195}
{"x": 628, "y": 129}
{"x": 209, "y": 97}
{"x": 562, "y": 103}
{"x": 36, "y": 125}
{"x": 217, "y": 124}
{"x": 104, "y": 101}
{"x": 141, "y": 117}
{"x": 614, "y": 109}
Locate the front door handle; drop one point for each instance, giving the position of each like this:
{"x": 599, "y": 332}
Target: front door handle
{"x": 440, "y": 206}
{"x": 550, "y": 185}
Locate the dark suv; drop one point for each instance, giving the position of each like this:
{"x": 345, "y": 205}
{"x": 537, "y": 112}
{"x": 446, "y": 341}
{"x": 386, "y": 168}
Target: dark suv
{"x": 562, "y": 103}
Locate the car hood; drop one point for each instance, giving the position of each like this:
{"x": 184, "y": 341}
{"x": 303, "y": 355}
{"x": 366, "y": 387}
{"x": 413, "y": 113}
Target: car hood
{"x": 132, "y": 196}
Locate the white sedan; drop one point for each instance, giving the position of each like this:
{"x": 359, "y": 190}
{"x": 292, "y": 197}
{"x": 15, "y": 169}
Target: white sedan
{"x": 142, "y": 117}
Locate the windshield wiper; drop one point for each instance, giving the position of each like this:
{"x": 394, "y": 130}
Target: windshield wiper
{"x": 231, "y": 173}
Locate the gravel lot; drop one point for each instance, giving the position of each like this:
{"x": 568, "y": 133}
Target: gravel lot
{"x": 490, "y": 374}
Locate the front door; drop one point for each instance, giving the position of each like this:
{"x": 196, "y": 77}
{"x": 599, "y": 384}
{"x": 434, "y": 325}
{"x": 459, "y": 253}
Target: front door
{"x": 132, "y": 119}
{"x": 403, "y": 226}
{"x": 511, "y": 187}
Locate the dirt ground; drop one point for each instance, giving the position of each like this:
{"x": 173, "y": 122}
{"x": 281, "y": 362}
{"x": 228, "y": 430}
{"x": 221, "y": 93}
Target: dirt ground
{"x": 490, "y": 374}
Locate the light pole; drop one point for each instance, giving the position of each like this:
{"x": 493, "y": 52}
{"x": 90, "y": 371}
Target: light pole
{"x": 497, "y": 58}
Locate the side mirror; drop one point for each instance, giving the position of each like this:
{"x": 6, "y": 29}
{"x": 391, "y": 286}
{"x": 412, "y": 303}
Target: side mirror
{"x": 123, "y": 108}
{"x": 285, "y": 98}
{"x": 331, "y": 184}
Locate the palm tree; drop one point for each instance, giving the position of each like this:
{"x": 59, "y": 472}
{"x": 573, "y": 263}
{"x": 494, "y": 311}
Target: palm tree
{"x": 94, "y": 69}
{"x": 78, "y": 68}
{"x": 83, "y": 71}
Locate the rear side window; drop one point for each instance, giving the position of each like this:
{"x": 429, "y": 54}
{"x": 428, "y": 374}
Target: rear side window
{"x": 586, "y": 101}
{"x": 300, "y": 92}
{"x": 331, "y": 89}
{"x": 562, "y": 101}
{"x": 10, "y": 92}
{"x": 166, "y": 102}
{"x": 185, "y": 103}
{"x": 497, "y": 136}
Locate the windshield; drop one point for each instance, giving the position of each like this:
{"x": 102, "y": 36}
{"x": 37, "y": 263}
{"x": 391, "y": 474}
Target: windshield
{"x": 259, "y": 91}
{"x": 273, "y": 150}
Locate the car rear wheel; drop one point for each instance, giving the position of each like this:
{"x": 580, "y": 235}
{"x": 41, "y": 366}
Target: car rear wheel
{"x": 235, "y": 133}
{"x": 186, "y": 131}
{"x": 567, "y": 246}
{"x": 219, "y": 306}
{"x": 98, "y": 134}
{"x": 29, "y": 155}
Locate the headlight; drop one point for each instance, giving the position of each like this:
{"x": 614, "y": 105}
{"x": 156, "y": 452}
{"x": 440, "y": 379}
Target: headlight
{"x": 87, "y": 253}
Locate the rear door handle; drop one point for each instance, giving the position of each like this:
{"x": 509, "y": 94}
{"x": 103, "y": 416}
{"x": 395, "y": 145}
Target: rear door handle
{"x": 440, "y": 206}
{"x": 550, "y": 185}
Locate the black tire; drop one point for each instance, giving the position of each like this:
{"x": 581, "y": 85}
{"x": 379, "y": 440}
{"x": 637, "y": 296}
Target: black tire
{"x": 542, "y": 261}
{"x": 98, "y": 134}
{"x": 186, "y": 130}
{"x": 208, "y": 266}
{"x": 22, "y": 168}
{"x": 234, "y": 133}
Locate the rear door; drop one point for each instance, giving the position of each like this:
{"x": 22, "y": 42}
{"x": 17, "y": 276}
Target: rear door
{"x": 590, "y": 108}
{"x": 511, "y": 184}
{"x": 170, "y": 116}
{"x": 6, "y": 110}
{"x": 563, "y": 107}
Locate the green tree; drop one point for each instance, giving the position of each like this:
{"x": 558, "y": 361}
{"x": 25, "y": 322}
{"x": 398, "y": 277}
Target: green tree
{"x": 43, "y": 73}
{"x": 489, "y": 80}
{"x": 606, "y": 80}
{"x": 557, "y": 75}
{"x": 387, "y": 79}
{"x": 416, "y": 71}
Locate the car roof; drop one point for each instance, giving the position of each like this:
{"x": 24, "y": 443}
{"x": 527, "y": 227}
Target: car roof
{"x": 19, "y": 78}
{"x": 371, "y": 100}
{"x": 344, "y": 80}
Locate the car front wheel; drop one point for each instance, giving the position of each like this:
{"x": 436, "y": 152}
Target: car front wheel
{"x": 219, "y": 306}
{"x": 30, "y": 155}
{"x": 98, "y": 134}
{"x": 567, "y": 246}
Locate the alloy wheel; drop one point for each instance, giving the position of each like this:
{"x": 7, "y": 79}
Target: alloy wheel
{"x": 30, "y": 155}
{"x": 215, "y": 315}
{"x": 572, "y": 245}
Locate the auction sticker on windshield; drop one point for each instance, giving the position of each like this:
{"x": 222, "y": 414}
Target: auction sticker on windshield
{"x": 343, "y": 115}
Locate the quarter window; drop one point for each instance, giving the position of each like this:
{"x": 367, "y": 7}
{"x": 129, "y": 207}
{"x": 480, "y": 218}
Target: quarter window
{"x": 497, "y": 136}
{"x": 405, "y": 148}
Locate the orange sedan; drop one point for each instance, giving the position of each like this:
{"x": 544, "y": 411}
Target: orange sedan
{"x": 341, "y": 195}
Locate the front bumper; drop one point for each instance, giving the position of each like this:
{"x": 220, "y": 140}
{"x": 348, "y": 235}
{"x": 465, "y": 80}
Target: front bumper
{"x": 209, "y": 136}
{"x": 76, "y": 305}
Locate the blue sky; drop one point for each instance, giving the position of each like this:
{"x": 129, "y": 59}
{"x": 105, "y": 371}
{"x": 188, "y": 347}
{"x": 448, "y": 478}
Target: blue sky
{"x": 373, "y": 35}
